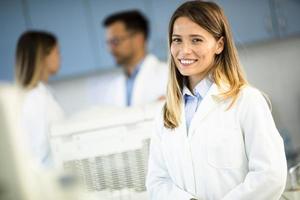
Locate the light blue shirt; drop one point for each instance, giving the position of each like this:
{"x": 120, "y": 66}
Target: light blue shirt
{"x": 130, "y": 83}
{"x": 193, "y": 100}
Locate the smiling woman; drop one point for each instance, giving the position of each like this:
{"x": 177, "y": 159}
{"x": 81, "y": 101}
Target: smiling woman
{"x": 215, "y": 138}
{"x": 193, "y": 49}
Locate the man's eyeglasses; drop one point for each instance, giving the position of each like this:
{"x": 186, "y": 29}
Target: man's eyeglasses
{"x": 118, "y": 40}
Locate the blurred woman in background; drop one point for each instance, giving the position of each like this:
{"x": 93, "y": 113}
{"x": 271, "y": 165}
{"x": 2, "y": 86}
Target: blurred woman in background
{"x": 216, "y": 138}
{"x": 37, "y": 58}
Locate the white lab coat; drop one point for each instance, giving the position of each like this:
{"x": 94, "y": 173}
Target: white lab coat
{"x": 39, "y": 110}
{"x": 150, "y": 84}
{"x": 226, "y": 155}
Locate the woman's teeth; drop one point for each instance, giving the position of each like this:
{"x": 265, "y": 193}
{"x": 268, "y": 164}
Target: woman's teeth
{"x": 186, "y": 61}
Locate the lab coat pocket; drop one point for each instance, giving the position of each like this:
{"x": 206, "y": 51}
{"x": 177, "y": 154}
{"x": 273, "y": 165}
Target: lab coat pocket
{"x": 225, "y": 149}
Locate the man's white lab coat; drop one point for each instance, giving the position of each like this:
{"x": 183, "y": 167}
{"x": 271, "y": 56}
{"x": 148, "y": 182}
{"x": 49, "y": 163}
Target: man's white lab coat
{"x": 149, "y": 85}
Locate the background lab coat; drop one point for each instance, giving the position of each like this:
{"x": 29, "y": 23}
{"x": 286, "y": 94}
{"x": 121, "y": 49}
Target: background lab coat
{"x": 230, "y": 155}
{"x": 149, "y": 85}
{"x": 39, "y": 110}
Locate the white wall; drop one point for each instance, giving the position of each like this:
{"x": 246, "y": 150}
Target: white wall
{"x": 274, "y": 68}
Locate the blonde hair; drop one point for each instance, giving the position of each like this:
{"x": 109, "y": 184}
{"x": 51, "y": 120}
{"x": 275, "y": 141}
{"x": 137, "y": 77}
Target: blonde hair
{"x": 32, "y": 48}
{"x": 226, "y": 70}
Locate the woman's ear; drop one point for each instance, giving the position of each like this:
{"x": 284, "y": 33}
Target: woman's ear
{"x": 220, "y": 45}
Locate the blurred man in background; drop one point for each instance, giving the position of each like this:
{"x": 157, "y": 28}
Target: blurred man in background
{"x": 143, "y": 77}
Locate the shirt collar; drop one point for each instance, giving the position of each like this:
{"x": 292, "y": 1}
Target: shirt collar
{"x": 200, "y": 89}
{"x": 136, "y": 70}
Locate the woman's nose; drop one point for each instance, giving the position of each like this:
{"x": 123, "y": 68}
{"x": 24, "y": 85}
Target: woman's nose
{"x": 186, "y": 48}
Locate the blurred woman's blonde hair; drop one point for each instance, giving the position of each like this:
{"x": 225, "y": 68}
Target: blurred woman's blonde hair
{"x": 32, "y": 49}
{"x": 226, "y": 70}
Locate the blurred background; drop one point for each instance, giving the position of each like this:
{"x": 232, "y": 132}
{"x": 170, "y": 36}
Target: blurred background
{"x": 266, "y": 32}
{"x": 78, "y": 25}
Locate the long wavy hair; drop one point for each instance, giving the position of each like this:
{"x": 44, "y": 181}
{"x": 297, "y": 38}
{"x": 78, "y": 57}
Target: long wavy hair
{"x": 32, "y": 49}
{"x": 226, "y": 69}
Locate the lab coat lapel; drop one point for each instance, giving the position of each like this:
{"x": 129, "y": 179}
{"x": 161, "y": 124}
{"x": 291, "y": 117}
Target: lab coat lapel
{"x": 182, "y": 127}
{"x": 119, "y": 91}
{"x": 141, "y": 80}
{"x": 186, "y": 159}
{"x": 208, "y": 104}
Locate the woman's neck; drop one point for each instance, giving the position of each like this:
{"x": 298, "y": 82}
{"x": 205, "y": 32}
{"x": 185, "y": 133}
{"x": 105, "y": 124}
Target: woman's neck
{"x": 45, "y": 77}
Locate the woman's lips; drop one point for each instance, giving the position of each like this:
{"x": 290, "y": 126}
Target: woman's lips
{"x": 187, "y": 62}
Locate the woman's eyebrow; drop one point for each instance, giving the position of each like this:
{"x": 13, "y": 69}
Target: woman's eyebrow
{"x": 196, "y": 35}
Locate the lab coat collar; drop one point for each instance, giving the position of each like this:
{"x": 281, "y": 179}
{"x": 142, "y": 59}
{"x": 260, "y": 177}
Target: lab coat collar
{"x": 208, "y": 104}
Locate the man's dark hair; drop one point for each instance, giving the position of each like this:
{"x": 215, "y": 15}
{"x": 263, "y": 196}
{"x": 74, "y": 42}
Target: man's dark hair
{"x": 133, "y": 19}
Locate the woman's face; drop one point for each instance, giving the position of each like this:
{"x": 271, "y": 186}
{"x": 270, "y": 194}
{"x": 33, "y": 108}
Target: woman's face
{"x": 193, "y": 49}
{"x": 52, "y": 61}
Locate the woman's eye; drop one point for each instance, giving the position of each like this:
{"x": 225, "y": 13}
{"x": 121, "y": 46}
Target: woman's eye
{"x": 176, "y": 40}
{"x": 196, "y": 40}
